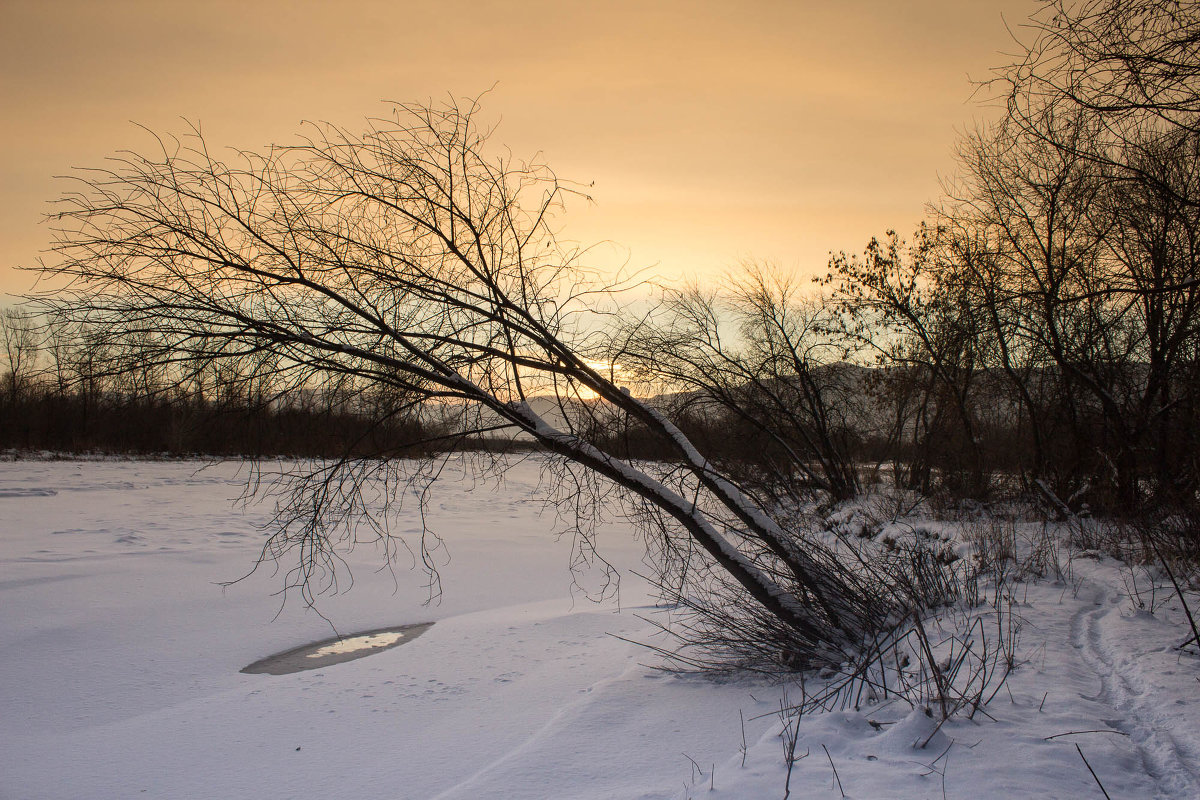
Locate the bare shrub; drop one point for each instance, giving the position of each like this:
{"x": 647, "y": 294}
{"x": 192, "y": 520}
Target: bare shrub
{"x": 948, "y": 642}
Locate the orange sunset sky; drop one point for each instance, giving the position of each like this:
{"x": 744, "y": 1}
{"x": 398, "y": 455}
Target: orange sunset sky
{"x": 712, "y": 131}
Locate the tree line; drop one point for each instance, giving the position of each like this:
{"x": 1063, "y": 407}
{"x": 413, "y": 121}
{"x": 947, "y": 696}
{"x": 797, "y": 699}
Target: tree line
{"x": 66, "y": 389}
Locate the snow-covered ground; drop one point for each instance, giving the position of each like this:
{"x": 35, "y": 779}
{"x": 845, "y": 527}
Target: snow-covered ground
{"x": 121, "y": 651}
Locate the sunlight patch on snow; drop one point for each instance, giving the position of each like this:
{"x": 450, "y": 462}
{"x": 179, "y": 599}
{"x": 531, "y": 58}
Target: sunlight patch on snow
{"x": 352, "y": 644}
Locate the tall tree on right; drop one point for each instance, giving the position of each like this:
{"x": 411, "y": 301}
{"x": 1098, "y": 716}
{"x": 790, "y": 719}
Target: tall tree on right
{"x": 1075, "y": 229}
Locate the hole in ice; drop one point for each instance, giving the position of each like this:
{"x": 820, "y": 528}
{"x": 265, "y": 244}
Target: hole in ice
{"x": 336, "y": 650}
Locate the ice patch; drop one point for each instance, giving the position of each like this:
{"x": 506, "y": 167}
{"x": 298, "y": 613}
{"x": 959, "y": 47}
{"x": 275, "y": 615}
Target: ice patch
{"x": 336, "y": 650}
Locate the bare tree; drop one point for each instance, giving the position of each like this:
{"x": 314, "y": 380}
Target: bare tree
{"x": 757, "y": 362}
{"x": 19, "y": 337}
{"x": 1075, "y": 226}
{"x": 408, "y": 259}
{"x": 1119, "y": 61}
{"x": 899, "y": 306}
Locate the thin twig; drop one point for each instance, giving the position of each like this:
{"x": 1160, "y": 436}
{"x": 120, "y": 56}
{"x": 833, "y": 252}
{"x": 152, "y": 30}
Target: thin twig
{"x": 1094, "y": 775}
{"x": 835, "y": 772}
{"x": 1178, "y": 592}
{"x": 1076, "y": 733}
{"x": 742, "y": 717}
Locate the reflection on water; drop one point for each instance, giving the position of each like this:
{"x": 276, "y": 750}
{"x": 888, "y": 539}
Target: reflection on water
{"x": 335, "y": 651}
{"x": 352, "y": 644}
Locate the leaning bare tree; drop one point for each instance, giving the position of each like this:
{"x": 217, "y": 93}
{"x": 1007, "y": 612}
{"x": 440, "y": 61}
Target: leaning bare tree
{"x": 408, "y": 260}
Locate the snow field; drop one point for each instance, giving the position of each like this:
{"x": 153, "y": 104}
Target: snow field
{"x": 119, "y": 671}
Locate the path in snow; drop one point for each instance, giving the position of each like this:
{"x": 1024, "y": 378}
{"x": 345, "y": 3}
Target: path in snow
{"x": 1123, "y": 688}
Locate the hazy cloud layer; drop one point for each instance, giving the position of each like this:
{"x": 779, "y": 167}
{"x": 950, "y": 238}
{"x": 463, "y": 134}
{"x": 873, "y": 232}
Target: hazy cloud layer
{"x": 776, "y": 130}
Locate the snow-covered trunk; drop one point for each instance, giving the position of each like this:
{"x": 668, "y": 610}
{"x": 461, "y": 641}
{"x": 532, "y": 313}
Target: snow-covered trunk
{"x": 821, "y": 629}
{"x": 822, "y": 583}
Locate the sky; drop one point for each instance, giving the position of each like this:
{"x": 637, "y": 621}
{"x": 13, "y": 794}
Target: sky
{"x": 709, "y": 133}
